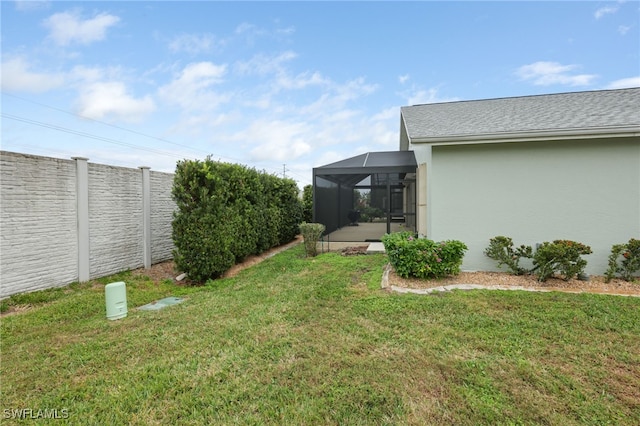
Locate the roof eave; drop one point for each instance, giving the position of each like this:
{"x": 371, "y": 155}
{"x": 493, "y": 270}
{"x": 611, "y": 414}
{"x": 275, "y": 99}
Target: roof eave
{"x": 593, "y": 133}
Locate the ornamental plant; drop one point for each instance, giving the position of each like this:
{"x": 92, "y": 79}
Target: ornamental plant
{"x": 624, "y": 260}
{"x": 311, "y": 233}
{"x": 421, "y": 257}
{"x": 501, "y": 249}
{"x": 560, "y": 256}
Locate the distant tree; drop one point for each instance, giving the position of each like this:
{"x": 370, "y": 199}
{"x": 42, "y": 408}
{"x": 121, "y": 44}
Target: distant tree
{"x": 307, "y": 204}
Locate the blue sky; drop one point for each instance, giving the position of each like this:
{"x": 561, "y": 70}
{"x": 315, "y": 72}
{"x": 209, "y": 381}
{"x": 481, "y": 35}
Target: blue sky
{"x": 283, "y": 86}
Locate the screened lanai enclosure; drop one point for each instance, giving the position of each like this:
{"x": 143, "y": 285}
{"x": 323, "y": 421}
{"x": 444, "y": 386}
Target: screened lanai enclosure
{"x": 364, "y": 197}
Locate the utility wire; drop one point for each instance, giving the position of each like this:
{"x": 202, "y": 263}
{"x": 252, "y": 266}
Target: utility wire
{"x": 117, "y": 127}
{"x": 85, "y": 134}
{"x": 101, "y": 138}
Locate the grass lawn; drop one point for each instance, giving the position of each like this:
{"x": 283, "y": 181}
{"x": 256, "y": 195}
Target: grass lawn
{"x": 315, "y": 341}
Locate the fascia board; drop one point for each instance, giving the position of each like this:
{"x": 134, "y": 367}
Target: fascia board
{"x": 532, "y": 136}
{"x": 403, "y": 129}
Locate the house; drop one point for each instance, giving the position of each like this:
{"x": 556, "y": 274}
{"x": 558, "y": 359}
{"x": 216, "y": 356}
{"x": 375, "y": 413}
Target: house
{"x": 533, "y": 168}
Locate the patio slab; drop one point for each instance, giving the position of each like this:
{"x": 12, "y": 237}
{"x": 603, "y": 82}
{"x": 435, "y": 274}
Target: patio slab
{"x": 375, "y": 248}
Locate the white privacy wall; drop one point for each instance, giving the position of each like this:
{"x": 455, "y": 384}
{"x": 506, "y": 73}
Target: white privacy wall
{"x": 115, "y": 219}
{"x": 42, "y": 221}
{"x": 586, "y": 191}
{"x": 162, "y": 208}
{"x": 38, "y": 223}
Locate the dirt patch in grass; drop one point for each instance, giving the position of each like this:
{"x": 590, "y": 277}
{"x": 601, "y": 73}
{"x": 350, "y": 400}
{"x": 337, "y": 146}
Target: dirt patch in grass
{"x": 595, "y": 284}
{"x": 354, "y": 251}
{"x": 167, "y": 270}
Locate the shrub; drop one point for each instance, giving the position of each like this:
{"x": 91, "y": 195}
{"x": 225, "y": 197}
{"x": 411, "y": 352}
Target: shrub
{"x": 369, "y": 214}
{"x": 227, "y": 212}
{"x": 311, "y": 232}
{"x": 423, "y": 258}
{"x": 501, "y": 249}
{"x": 624, "y": 260}
{"x": 307, "y": 203}
{"x": 560, "y": 256}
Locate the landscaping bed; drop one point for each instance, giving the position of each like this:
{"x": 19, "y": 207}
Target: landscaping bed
{"x": 595, "y": 284}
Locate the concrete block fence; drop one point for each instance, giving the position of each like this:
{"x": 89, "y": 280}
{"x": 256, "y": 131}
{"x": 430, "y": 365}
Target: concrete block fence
{"x": 64, "y": 221}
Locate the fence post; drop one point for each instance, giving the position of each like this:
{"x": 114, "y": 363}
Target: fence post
{"x": 146, "y": 216}
{"x": 82, "y": 211}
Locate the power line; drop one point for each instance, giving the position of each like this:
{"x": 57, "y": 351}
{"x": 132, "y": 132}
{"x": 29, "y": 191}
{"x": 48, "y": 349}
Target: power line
{"x": 113, "y": 141}
{"x": 73, "y": 114}
{"x": 84, "y": 134}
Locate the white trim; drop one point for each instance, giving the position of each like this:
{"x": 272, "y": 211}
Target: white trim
{"x": 364, "y": 164}
{"x": 540, "y": 135}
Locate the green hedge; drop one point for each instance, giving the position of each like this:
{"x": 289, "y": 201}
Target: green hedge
{"x": 227, "y": 212}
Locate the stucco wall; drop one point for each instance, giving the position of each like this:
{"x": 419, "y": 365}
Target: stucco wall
{"x": 587, "y": 191}
{"x": 40, "y": 219}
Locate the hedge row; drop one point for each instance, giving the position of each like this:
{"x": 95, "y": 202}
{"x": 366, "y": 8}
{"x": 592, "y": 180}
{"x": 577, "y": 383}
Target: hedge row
{"x": 227, "y": 212}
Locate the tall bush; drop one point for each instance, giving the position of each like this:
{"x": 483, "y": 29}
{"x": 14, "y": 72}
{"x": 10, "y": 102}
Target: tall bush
{"x": 423, "y": 258}
{"x": 307, "y": 203}
{"x": 227, "y": 212}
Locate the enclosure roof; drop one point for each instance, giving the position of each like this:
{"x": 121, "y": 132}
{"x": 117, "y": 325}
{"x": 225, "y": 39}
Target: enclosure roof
{"x": 382, "y": 162}
{"x": 354, "y": 169}
{"x": 602, "y": 112}
{"x": 372, "y": 162}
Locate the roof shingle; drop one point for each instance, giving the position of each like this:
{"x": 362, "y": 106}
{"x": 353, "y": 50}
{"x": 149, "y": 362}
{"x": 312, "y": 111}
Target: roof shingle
{"x": 562, "y": 112}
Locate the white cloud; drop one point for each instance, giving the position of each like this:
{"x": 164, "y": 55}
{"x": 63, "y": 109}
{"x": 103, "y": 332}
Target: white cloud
{"x": 29, "y": 5}
{"x": 192, "y": 88}
{"x": 276, "y": 66}
{"x": 300, "y": 81}
{"x": 194, "y": 44}
{"x": 419, "y": 96}
{"x": 277, "y": 140}
{"x": 623, "y": 29}
{"x": 249, "y": 33}
{"x": 392, "y": 113}
{"x": 605, "y": 10}
{"x": 69, "y": 27}
{"x": 87, "y": 74}
{"x": 337, "y": 96}
{"x": 355, "y": 89}
{"x": 17, "y": 77}
{"x": 110, "y": 99}
{"x": 403, "y": 78}
{"x": 624, "y": 83}
{"x": 547, "y": 73}
{"x": 265, "y": 64}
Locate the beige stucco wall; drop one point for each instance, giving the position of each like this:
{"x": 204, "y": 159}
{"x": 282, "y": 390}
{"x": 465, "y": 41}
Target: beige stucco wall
{"x": 587, "y": 191}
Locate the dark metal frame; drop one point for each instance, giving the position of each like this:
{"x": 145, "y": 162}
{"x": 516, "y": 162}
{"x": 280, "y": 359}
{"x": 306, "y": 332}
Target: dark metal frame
{"x": 333, "y": 185}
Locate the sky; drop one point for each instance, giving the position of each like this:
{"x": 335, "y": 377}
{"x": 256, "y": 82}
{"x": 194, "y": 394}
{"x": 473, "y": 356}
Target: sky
{"x": 283, "y": 87}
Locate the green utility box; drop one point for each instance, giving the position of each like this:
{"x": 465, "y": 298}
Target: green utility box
{"x": 116, "y": 299}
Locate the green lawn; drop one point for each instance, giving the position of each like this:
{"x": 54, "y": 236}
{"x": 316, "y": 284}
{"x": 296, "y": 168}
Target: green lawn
{"x": 315, "y": 341}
